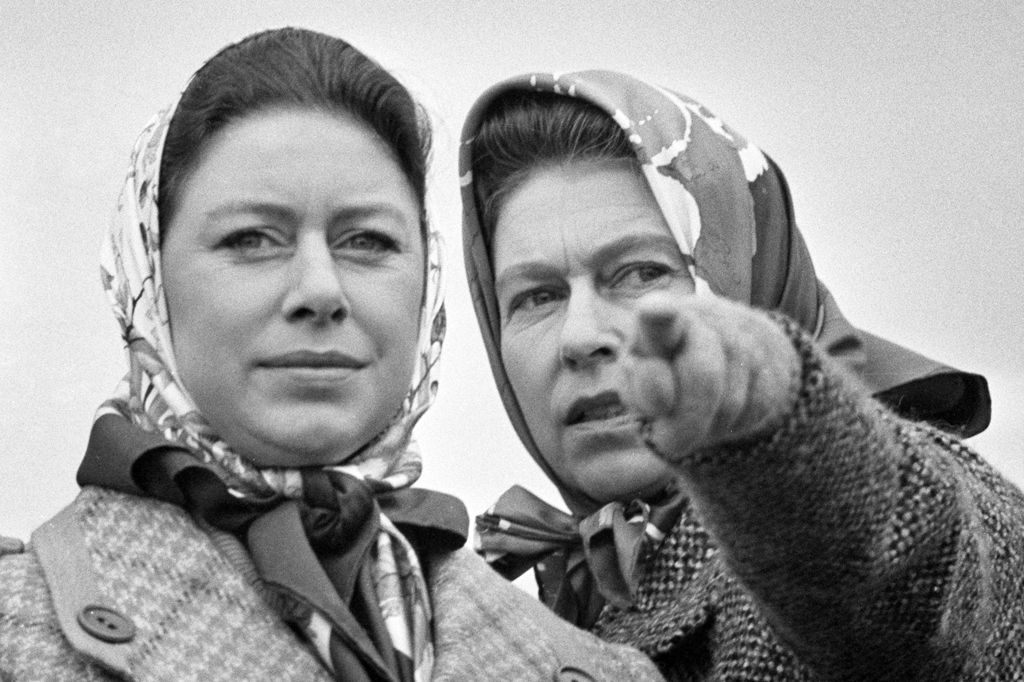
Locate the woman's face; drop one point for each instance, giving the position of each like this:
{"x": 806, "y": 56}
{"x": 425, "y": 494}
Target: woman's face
{"x": 293, "y": 272}
{"x": 576, "y": 249}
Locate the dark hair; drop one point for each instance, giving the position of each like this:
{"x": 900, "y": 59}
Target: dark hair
{"x": 522, "y": 130}
{"x": 292, "y": 67}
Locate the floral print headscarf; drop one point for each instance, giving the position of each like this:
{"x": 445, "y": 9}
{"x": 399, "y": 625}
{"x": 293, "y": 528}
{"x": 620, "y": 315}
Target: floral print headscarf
{"x": 152, "y": 395}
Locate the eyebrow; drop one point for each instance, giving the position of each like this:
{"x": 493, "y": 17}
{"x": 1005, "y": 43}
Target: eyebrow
{"x": 633, "y": 240}
{"x": 531, "y": 270}
{"x": 282, "y": 212}
{"x": 610, "y": 250}
{"x": 254, "y": 207}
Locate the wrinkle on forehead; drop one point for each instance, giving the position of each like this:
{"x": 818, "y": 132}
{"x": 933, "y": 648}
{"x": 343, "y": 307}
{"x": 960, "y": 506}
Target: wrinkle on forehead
{"x": 567, "y": 200}
{"x": 555, "y": 194}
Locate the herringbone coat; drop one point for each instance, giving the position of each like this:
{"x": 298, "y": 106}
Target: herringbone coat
{"x": 196, "y": 617}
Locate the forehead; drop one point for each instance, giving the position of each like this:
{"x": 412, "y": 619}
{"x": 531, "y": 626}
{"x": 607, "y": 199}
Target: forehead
{"x": 297, "y": 154}
{"x": 567, "y": 213}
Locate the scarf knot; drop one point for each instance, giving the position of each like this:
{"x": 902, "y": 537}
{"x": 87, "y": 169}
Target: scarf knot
{"x": 335, "y": 507}
{"x": 581, "y": 563}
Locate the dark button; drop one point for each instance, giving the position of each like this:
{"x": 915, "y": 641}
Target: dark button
{"x": 570, "y": 673}
{"x": 106, "y": 624}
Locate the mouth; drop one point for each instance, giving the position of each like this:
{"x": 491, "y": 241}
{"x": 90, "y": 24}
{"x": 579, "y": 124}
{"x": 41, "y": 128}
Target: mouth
{"x": 603, "y": 406}
{"x": 308, "y": 359}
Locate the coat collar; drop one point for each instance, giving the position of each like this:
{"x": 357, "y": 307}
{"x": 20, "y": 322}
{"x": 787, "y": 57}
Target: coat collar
{"x": 163, "y": 591}
{"x": 678, "y": 595}
{"x": 188, "y": 596}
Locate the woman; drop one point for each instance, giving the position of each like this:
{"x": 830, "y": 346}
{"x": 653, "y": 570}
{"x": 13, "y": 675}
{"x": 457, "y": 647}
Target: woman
{"x": 755, "y": 495}
{"x": 246, "y": 511}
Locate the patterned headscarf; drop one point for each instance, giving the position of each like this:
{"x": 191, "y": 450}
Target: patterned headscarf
{"x": 728, "y": 207}
{"x": 153, "y": 397}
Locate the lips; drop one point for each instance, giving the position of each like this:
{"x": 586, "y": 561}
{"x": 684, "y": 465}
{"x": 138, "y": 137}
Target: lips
{"x": 605, "y": 405}
{"x": 306, "y": 359}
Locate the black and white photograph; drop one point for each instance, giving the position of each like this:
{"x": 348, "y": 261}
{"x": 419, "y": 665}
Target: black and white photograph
{"x": 394, "y": 341}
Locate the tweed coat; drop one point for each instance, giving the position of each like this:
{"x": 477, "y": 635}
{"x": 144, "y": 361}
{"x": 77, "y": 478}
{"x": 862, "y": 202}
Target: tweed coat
{"x": 113, "y": 566}
{"x": 846, "y": 544}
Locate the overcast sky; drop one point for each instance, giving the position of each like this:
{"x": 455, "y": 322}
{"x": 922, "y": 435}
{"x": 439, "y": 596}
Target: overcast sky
{"x": 899, "y": 132}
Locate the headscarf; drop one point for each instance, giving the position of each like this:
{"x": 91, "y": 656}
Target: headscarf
{"x": 729, "y": 209}
{"x": 153, "y": 398}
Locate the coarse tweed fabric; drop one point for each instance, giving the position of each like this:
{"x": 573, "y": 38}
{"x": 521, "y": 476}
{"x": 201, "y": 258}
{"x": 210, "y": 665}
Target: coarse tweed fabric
{"x": 849, "y": 544}
{"x": 198, "y": 618}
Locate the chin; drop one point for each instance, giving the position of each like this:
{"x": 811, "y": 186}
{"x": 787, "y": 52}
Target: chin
{"x": 304, "y": 443}
{"x": 295, "y": 455}
{"x": 623, "y": 476}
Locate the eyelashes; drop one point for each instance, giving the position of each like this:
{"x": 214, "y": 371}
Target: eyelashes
{"x": 259, "y": 243}
{"x": 247, "y": 240}
{"x": 533, "y": 298}
{"x": 640, "y": 274}
{"x": 371, "y": 240}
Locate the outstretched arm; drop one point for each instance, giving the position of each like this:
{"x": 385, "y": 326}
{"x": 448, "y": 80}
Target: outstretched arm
{"x": 871, "y": 543}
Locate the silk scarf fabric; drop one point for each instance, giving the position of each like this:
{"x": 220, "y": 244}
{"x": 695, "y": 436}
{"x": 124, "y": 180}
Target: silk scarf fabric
{"x": 581, "y": 563}
{"x": 729, "y": 210}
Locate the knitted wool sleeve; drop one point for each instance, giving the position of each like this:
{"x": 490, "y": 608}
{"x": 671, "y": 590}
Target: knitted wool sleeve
{"x": 877, "y": 548}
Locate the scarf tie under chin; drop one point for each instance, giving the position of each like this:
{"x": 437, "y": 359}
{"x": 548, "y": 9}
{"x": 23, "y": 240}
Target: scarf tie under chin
{"x": 580, "y": 563}
{"x": 323, "y": 560}
{"x": 342, "y": 524}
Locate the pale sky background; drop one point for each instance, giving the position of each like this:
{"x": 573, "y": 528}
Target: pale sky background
{"x": 899, "y": 131}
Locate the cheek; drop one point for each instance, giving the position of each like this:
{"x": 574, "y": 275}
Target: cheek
{"x": 531, "y": 372}
{"x": 397, "y": 314}
{"x": 186, "y": 310}
{"x": 516, "y": 367}
{"x": 392, "y": 307}
{"x": 216, "y": 315}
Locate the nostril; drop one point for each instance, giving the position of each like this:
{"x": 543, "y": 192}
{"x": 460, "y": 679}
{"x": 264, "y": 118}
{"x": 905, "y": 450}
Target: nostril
{"x": 316, "y": 307}
{"x": 583, "y": 355}
{"x": 302, "y": 313}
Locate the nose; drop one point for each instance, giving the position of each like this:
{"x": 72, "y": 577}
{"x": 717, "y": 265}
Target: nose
{"x": 589, "y": 335}
{"x": 315, "y": 293}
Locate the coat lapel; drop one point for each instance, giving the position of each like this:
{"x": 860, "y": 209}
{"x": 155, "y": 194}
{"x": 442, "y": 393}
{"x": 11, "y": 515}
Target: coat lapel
{"x": 679, "y": 594}
{"x": 68, "y": 569}
{"x": 177, "y": 606}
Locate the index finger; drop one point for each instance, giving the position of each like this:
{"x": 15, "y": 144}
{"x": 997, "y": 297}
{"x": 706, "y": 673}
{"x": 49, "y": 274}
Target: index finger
{"x": 661, "y": 330}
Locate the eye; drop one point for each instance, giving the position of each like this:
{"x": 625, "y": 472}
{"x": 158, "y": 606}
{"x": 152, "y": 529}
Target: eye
{"x": 641, "y": 274}
{"x": 369, "y": 241}
{"x": 533, "y": 299}
{"x": 250, "y": 242}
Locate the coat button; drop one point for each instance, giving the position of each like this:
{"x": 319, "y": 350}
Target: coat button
{"x": 570, "y": 673}
{"x": 106, "y": 624}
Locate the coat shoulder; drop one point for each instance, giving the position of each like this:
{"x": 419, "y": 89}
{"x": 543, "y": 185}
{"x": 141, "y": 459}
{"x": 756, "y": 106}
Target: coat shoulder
{"x": 191, "y": 613}
{"x": 487, "y": 628}
{"x": 10, "y": 545}
{"x": 31, "y": 644}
